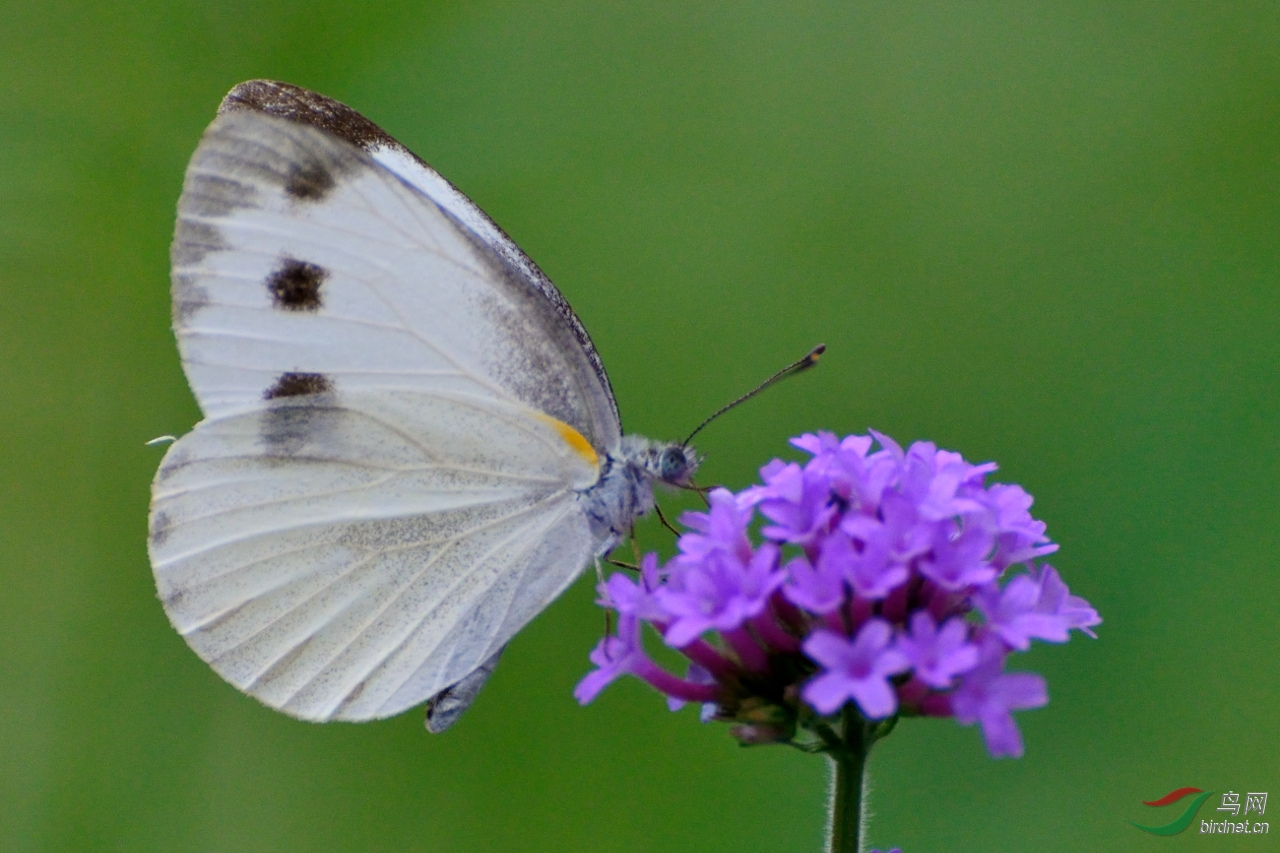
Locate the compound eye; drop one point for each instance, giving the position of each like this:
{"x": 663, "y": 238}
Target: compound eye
{"x": 673, "y": 465}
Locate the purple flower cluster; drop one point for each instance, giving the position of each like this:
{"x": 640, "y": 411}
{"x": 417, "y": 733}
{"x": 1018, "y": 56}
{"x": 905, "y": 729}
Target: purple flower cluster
{"x": 886, "y": 579}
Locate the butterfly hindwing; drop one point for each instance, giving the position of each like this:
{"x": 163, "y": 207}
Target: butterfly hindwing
{"x": 349, "y": 561}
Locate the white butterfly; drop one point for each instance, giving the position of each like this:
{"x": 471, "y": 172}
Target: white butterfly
{"x": 410, "y": 446}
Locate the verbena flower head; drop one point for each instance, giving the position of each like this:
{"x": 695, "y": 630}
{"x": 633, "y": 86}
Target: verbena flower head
{"x": 894, "y": 582}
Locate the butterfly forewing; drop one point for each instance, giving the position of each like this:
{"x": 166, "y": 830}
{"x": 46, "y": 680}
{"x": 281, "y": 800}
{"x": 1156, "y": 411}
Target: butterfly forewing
{"x": 296, "y": 253}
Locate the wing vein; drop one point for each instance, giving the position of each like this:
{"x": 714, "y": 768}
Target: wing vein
{"x": 409, "y": 633}
{"x": 160, "y": 495}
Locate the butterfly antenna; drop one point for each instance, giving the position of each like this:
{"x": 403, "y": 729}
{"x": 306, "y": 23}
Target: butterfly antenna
{"x": 790, "y": 370}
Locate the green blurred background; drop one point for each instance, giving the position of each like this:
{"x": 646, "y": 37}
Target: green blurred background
{"x": 1039, "y": 233}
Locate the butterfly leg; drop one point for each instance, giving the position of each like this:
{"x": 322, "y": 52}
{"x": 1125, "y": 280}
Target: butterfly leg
{"x": 664, "y": 521}
{"x": 608, "y": 614}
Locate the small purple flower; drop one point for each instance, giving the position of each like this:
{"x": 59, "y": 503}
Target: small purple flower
{"x": 1055, "y": 599}
{"x": 818, "y": 589}
{"x": 797, "y": 500}
{"x": 844, "y": 462}
{"x": 872, "y": 573}
{"x": 959, "y": 557}
{"x": 857, "y": 669}
{"x": 614, "y": 657}
{"x": 989, "y": 696}
{"x": 896, "y": 529}
{"x": 937, "y": 656}
{"x": 722, "y": 528}
{"x": 636, "y": 598}
{"x": 862, "y": 478}
{"x": 1019, "y": 537}
{"x": 821, "y": 444}
{"x": 717, "y": 592}
{"x": 624, "y": 654}
{"x": 1034, "y": 606}
{"x": 932, "y": 478}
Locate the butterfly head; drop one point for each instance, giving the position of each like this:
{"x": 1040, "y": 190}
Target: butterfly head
{"x": 676, "y": 464}
{"x": 666, "y": 462}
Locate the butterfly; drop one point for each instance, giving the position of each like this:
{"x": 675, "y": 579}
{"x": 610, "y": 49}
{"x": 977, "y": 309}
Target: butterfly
{"x": 410, "y": 446}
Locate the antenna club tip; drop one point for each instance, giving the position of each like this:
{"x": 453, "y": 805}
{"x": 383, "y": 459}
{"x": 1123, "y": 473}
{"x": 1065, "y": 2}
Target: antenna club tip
{"x": 809, "y": 360}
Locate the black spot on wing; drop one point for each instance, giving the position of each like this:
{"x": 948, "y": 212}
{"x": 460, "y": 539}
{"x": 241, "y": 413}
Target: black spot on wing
{"x": 309, "y": 180}
{"x": 298, "y": 385}
{"x": 295, "y": 286}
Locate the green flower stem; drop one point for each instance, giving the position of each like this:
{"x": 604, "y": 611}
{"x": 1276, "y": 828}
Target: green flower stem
{"x": 849, "y": 765}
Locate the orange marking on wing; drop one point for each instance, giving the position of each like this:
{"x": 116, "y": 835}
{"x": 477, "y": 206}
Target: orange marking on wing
{"x": 574, "y": 439}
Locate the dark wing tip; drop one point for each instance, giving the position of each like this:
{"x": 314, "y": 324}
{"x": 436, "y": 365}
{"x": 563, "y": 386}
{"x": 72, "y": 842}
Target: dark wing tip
{"x": 302, "y": 105}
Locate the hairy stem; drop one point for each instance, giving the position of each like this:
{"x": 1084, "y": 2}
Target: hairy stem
{"x": 848, "y": 770}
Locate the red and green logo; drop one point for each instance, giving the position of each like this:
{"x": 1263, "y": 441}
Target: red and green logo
{"x": 1183, "y": 820}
